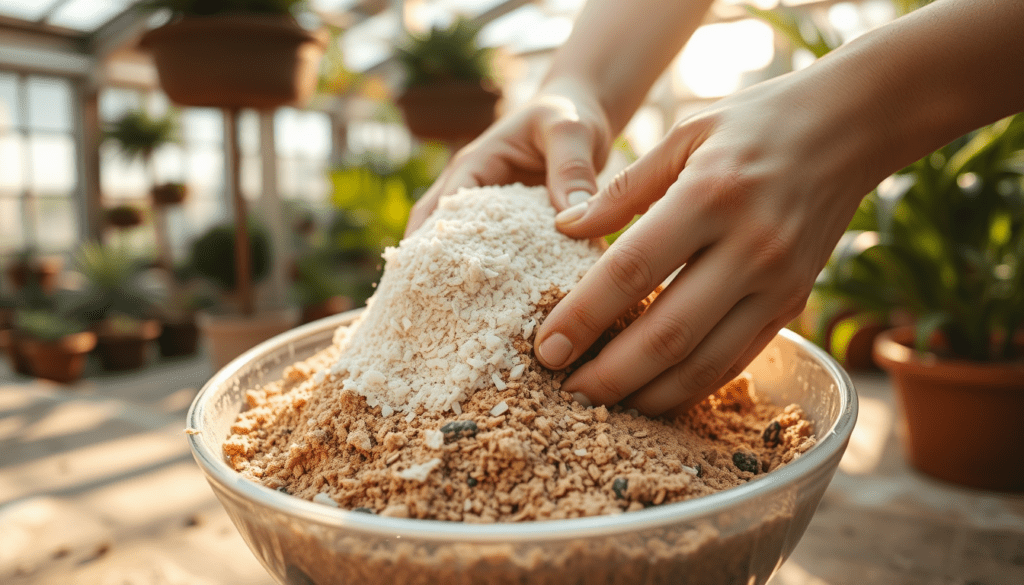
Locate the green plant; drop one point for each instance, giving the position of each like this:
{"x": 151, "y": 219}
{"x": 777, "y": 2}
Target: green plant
{"x": 112, "y": 283}
{"x": 212, "y": 7}
{"x": 138, "y": 135}
{"x": 316, "y": 280}
{"x": 213, "y": 255}
{"x": 445, "y": 54}
{"x": 47, "y": 325}
{"x": 943, "y": 240}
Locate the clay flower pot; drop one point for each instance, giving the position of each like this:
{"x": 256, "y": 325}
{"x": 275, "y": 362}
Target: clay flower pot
{"x": 178, "y": 338}
{"x": 169, "y": 194}
{"x": 45, "y": 271}
{"x": 236, "y": 60}
{"x": 962, "y": 419}
{"x": 453, "y": 111}
{"x": 124, "y": 216}
{"x": 121, "y": 351}
{"x": 62, "y": 360}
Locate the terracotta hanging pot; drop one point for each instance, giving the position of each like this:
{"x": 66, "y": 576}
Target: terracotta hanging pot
{"x": 169, "y": 194}
{"x": 451, "y": 111}
{"x": 236, "y": 60}
{"x": 962, "y": 418}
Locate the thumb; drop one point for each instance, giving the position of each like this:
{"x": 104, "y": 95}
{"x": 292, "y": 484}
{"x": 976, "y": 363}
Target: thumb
{"x": 571, "y": 176}
{"x": 631, "y": 192}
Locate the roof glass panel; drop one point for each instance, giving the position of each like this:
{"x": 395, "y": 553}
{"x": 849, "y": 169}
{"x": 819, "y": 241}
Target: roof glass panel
{"x": 25, "y": 9}
{"x": 87, "y": 14}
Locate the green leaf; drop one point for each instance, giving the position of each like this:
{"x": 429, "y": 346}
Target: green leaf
{"x": 925, "y": 328}
{"x": 801, "y": 33}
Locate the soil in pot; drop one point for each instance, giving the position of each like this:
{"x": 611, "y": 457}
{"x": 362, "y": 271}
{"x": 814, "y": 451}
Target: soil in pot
{"x": 962, "y": 419}
{"x": 178, "y": 338}
{"x": 62, "y": 360}
{"x": 126, "y": 351}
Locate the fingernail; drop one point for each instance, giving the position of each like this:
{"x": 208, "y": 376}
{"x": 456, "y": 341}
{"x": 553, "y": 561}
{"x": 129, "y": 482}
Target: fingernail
{"x": 555, "y": 350}
{"x": 583, "y": 400}
{"x": 573, "y": 214}
{"x": 577, "y": 197}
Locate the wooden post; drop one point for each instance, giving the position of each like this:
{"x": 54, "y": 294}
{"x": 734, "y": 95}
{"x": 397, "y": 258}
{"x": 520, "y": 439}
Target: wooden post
{"x": 243, "y": 261}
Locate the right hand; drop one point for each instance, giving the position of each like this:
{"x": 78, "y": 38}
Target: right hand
{"x": 560, "y": 138}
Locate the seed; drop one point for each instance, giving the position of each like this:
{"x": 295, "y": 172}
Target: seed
{"x": 745, "y": 461}
{"x": 363, "y": 510}
{"x": 619, "y": 486}
{"x": 700, "y": 470}
{"x": 471, "y": 482}
{"x": 771, "y": 434}
{"x": 458, "y": 429}
{"x": 283, "y": 490}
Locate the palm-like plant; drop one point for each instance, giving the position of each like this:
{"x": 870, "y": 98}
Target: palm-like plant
{"x": 445, "y": 54}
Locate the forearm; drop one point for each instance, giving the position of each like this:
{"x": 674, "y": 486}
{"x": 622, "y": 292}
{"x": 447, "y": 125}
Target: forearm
{"x": 923, "y": 80}
{"x": 618, "y": 49}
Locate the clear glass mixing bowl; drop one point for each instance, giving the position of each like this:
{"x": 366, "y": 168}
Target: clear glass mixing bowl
{"x": 737, "y": 536}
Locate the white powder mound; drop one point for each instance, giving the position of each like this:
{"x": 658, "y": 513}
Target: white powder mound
{"x": 452, "y": 297}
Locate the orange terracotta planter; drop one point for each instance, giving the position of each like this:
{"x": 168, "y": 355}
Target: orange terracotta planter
{"x": 62, "y": 360}
{"x": 963, "y": 420}
{"x": 236, "y": 60}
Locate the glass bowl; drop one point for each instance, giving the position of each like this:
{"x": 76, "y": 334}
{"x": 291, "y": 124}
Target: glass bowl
{"x": 739, "y": 535}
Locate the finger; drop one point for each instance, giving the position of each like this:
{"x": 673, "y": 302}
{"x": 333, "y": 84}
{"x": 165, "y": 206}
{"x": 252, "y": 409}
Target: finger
{"x": 571, "y": 175}
{"x": 753, "y": 350}
{"x": 630, "y": 193}
{"x": 639, "y": 260}
{"x": 683, "y": 314}
{"x": 715, "y": 360}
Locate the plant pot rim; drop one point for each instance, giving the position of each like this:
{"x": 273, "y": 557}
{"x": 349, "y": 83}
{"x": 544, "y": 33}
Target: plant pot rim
{"x": 893, "y": 351}
{"x": 279, "y": 25}
{"x": 81, "y": 342}
{"x": 149, "y": 329}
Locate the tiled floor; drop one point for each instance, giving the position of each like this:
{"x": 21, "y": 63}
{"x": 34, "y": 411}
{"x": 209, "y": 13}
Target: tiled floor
{"x": 97, "y": 487}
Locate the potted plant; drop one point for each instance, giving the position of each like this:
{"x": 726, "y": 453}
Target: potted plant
{"x": 116, "y": 304}
{"x": 449, "y": 92}
{"x": 170, "y": 193}
{"x": 55, "y": 344}
{"x": 940, "y": 246}
{"x": 319, "y": 287}
{"x": 235, "y": 53}
{"x": 28, "y": 266}
{"x": 229, "y": 329}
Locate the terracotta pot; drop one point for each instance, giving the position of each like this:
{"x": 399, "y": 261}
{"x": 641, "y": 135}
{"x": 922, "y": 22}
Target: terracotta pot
{"x": 456, "y": 111}
{"x": 46, "y": 271}
{"x": 851, "y": 340}
{"x": 124, "y": 216}
{"x": 236, "y": 60}
{"x": 962, "y": 419}
{"x": 169, "y": 194}
{"x": 229, "y": 336}
{"x": 16, "y": 352}
{"x": 178, "y": 338}
{"x": 62, "y": 360}
{"x": 120, "y": 351}
{"x": 332, "y": 306}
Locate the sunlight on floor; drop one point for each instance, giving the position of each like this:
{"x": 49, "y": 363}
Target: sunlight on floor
{"x": 868, "y": 442}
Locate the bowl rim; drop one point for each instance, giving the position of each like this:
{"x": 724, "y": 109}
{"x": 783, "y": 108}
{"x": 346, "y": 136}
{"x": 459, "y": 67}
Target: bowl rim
{"x": 808, "y": 465}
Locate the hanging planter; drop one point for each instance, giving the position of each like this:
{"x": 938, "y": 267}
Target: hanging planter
{"x": 124, "y": 216}
{"x": 236, "y": 60}
{"x": 169, "y": 194}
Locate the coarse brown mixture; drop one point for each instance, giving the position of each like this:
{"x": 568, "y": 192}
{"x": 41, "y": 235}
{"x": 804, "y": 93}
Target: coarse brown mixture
{"x": 528, "y": 452}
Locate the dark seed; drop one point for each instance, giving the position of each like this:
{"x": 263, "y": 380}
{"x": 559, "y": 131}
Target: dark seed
{"x": 771, "y": 434}
{"x": 458, "y": 429}
{"x": 619, "y": 486}
{"x": 745, "y": 461}
{"x": 363, "y": 510}
{"x": 700, "y": 470}
{"x": 283, "y": 490}
{"x": 471, "y": 482}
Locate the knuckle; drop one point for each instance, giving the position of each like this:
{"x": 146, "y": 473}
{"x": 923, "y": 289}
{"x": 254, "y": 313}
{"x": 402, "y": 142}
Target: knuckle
{"x": 574, "y": 168}
{"x": 618, "y": 189}
{"x": 630, "y": 269}
{"x": 701, "y": 372}
{"x": 769, "y": 249}
{"x": 602, "y": 387}
{"x": 580, "y": 318}
{"x": 669, "y": 339}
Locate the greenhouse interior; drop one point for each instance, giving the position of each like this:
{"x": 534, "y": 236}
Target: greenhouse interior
{"x": 153, "y": 229}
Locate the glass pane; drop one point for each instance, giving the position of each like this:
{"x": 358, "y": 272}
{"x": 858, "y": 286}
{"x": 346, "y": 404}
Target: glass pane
{"x": 56, "y": 223}
{"x": 169, "y": 162}
{"x": 252, "y": 177}
{"x": 87, "y": 14}
{"x": 116, "y": 101}
{"x": 49, "y": 103}
{"x": 203, "y": 125}
{"x": 205, "y": 169}
{"x": 9, "y": 114}
{"x": 200, "y": 213}
{"x": 11, "y": 235}
{"x": 249, "y": 132}
{"x": 12, "y": 165}
{"x": 26, "y": 9}
{"x": 52, "y": 158}
{"x": 120, "y": 178}
{"x": 298, "y": 132}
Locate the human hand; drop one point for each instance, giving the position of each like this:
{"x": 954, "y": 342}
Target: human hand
{"x": 747, "y": 199}
{"x": 560, "y": 138}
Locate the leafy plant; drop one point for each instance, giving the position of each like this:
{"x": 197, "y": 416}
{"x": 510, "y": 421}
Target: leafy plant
{"x": 316, "y": 280}
{"x": 213, "y": 255}
{"x": 943, "y": 240}
{"x": 138, "y": 135}
{"x": 112, "y": 282}
{"x": 212, "y": 7}
{"x": 47, "y": 325}
{"x": 445, "y": 54}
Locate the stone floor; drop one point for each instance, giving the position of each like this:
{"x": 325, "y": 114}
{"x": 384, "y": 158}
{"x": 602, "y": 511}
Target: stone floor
{"x": 97, "y": 487}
